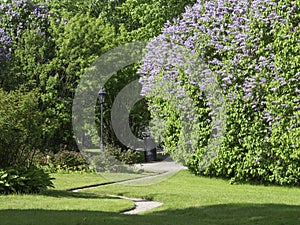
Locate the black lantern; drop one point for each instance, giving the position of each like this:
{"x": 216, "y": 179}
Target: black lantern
{"x": 101, "y": 96}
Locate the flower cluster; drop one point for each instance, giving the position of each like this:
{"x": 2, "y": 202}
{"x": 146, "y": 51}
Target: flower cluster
{"x": 252, "y": 48}
{"x": 5, "y": 42}
{"x": 17, "y": 16}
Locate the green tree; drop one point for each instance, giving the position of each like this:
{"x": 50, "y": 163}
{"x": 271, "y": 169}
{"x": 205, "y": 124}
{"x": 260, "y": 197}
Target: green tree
{"x": 51, "y": 54}
{"x": 78, "y": 43}
{"x": 147, "y": 18}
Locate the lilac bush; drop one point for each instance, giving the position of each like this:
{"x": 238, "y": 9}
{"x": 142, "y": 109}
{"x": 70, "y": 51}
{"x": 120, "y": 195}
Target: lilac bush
{"x": 252, "y": 48}
{"x": 17, "y": 16}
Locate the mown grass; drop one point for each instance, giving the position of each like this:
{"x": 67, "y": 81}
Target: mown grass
{"x": 197, "y": 200}
{"x": 187, "y": 200}
{"x": 59, "y": 206}
{"x": 185, "y": 190}
{"x": 73, "y": 180}
{"x": 61, "y": 200}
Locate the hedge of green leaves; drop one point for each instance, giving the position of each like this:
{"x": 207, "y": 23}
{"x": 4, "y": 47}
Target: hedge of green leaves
{"x": 24, "y": 180}
{"x": 20, "y": 128}
{"x": 253, "y": 50}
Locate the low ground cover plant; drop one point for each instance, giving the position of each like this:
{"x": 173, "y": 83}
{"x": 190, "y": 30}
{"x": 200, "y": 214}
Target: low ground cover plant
{"x": 24, "y": 180}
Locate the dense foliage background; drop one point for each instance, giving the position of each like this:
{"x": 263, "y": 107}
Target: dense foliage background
{"x": 45, "y": 47}
{"x": 251, "y": 48}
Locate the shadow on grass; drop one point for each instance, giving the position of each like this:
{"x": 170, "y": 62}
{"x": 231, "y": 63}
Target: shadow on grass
{"x": 68, "y": 194}
{"x": 230, "y": 214}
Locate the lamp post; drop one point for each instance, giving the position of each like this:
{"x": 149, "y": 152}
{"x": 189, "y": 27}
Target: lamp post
{"x": 101, "y": 97}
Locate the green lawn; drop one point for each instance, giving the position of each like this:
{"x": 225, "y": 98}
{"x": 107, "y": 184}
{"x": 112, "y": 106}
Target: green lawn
{"x": 58, "y": 206}
{"x": 69, "y": 181}
{"x": 187, "y": 200}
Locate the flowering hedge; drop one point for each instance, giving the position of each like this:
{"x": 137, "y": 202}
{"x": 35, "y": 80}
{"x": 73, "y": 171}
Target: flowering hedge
{"x": 252, "y": 50}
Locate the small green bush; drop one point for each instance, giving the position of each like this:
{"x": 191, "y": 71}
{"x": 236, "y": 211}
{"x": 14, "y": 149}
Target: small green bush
{"x": 106, "y": 163}
{"x": 24, "y": 180}
{"x": 20, "y": 125}
{"x": 128, "y": 156}
{"x": 113, "y": 159}
{"x": 63, "y": 161}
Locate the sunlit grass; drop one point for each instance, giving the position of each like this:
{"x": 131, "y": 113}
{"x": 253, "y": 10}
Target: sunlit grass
{"x": 187, "y": 200}
{"x": 27, "y": 209}
{"x": 64, "y": 201}
{"x": 185, "y": 190}
{"x": 72, "y": 180}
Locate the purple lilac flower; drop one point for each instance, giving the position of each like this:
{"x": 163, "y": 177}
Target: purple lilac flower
{"x": 221, "y": 39}
{"x": 5, "y": 43}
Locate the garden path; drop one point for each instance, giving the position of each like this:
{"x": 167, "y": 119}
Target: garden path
{"x": 163, "y": 170}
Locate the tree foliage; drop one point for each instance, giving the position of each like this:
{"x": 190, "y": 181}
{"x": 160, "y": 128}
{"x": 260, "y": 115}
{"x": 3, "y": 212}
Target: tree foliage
{"x": 46, "y": 46}
{"x": 49, "y": 50}
{"x": 147, "y": 18}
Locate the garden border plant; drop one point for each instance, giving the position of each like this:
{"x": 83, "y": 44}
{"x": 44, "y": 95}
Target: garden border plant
{"x": 24, "y": 180}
